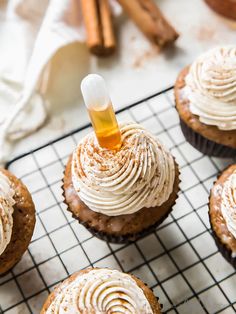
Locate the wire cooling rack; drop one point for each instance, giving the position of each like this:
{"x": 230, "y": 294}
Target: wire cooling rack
{"x": 179, "y": 260}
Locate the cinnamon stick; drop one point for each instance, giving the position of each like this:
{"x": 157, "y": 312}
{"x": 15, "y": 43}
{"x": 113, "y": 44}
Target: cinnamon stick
{"x": 99, "y": 26}
{"x": 108, "y": 35}
{"x": 91, "y": 20}
{"x": 150, "y": 20}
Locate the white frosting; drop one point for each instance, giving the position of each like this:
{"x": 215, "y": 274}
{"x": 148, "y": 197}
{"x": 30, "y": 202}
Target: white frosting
{"x": 141, "y": 174}
{"x": 6, "y": 211}
{"x": 211, "y": 88}
{"x": 228, "y": 205}
{"x": 101, "y": 291}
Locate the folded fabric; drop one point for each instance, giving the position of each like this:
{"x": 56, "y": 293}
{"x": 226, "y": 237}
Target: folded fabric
{"x": 31, "y": 32}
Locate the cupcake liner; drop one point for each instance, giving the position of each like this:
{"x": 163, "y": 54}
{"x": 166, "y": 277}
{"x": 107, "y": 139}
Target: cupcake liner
{"x": 157, "y": 298}
{"x": 224, "y": 250}
{"x": 205, "y": 145}
{"x": 9, "y": 270}
{"x": 128, "y": 238}
{"x": 23, "y": 225}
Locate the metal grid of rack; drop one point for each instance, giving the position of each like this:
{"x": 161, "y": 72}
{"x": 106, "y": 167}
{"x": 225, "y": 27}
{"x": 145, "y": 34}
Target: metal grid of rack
{"x": 179, "y": 260}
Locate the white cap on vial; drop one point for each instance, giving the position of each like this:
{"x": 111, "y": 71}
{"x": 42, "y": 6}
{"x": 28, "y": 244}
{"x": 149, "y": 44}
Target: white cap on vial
{"x": 94, "y": 91}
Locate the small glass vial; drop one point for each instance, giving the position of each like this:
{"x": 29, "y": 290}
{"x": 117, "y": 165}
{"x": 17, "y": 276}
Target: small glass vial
{"x": 101, "y": 111}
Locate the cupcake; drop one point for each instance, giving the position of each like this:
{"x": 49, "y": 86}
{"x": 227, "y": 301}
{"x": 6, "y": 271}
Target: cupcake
{"x": 222, "y": 213}
{"x": 96, "y": 290}
{"x": 121, "y": 195}
{"x": 17, "y": 220}
{"x": 227, "y": 8}
{"x": 205, "y": 95}
{"x": 124, "y": 193}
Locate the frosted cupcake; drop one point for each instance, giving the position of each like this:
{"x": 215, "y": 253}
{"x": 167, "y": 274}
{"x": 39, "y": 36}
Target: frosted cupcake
{"x": 222, "y": 212}
{"x": 120, "y": 195}
{"x": 17, "y": 220}
{"x": 205, "y": 96}
{"x": 97, "y": 290}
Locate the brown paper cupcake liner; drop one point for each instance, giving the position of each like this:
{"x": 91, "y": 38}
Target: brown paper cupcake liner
{"x": 205, "y": 145}
{"x": 224, "y": 250}
{"x": 128, "y": 238}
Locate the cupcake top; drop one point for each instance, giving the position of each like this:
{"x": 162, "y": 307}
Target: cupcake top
{"x": 211, "y": 88}
{"x": 6, "y": 211}
{"x": 140, "y": 175}
{"x": 100, "y": 291}
{"x": 228, "y": 205}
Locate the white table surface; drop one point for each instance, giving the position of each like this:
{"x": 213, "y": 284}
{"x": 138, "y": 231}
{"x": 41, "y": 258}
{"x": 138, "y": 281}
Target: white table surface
{"x": 136, "y": 71}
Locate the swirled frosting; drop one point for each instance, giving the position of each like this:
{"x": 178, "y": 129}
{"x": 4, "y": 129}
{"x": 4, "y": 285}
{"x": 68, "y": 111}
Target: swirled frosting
{"x": 228, "y": 205}
{"x": 6, "y": 211}
{"x": 211, "y": 88}
{"x": 101, "y": 291}
{"x": 141, "y": 174}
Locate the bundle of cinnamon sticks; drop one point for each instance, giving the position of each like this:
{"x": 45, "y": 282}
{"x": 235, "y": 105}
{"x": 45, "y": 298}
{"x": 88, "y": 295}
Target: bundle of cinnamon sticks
{"x": 99, "y": 26}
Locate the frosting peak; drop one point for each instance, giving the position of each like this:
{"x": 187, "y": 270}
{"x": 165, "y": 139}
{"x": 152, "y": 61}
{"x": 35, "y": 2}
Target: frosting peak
{"x": 100, "y": 291}
{"x": 6, "y": 211}
{"x": 228, "y": 206}
{"x": 141, "y": 174}
{"x": 211, "y": 88}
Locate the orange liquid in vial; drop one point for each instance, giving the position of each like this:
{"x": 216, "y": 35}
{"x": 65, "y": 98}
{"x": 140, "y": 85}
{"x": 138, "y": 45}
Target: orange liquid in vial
{"x": 106, "y": 128}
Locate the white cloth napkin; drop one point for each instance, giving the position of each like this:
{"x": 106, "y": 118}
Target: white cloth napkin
{"x": 31, "y": 32}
